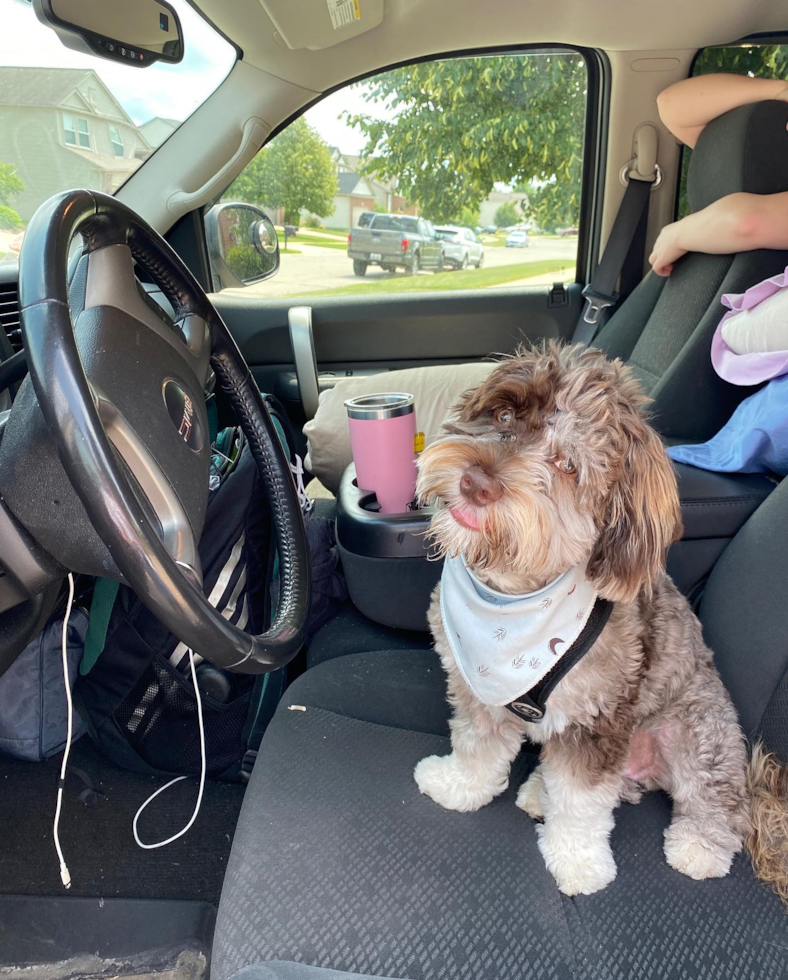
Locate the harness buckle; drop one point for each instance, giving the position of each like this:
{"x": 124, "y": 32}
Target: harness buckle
{"x": 596, "y": 303}
{"x": 526, "y": 708}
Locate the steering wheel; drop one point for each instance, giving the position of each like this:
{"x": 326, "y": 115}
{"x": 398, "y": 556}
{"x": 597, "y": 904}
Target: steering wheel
{"x": 105, "y": 459}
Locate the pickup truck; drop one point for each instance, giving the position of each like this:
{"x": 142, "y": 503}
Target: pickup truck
{"x": 395, "y": 241}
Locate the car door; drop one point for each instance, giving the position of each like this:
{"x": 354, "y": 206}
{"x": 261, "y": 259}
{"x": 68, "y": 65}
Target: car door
{"x": 390, "y": 320}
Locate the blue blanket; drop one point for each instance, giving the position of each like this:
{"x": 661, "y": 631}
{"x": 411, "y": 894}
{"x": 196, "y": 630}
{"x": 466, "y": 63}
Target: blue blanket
{"x": 754, "y": 440}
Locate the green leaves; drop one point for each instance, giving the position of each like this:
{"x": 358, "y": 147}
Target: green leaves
{"x": 293, "y": 171}
{"x": 10, "y": 185}
{"x": 459, "y": 126}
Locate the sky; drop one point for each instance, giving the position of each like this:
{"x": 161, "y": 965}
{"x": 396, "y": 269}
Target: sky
{"x": 173, "y": 91}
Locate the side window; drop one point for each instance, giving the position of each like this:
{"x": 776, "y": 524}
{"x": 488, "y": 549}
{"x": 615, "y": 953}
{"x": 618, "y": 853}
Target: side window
{"x": 491, "y": 143}
{"x": 756, "y": 60}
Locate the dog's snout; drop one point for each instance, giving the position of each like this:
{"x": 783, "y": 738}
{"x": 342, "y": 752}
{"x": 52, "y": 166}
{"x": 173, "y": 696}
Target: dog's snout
{"x": 477, "y": 486}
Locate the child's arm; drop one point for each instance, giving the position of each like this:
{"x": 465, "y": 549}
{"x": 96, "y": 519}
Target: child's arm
{"x": 736, "y": 223}
{"x": 688, "y": 105}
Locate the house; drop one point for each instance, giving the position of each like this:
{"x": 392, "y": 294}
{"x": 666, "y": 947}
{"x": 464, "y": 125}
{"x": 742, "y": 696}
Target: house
{"x": 494, "y": 200}
{"x": 98, "y": 145}
{"x": 357, "y": 194}
{"x": 158, "y": 129}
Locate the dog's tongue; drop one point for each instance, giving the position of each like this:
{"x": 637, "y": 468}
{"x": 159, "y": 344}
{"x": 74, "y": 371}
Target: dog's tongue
{"x": 465, "y": 516}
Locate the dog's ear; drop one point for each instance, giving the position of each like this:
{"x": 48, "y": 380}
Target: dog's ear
{"x": 643, "y": 517}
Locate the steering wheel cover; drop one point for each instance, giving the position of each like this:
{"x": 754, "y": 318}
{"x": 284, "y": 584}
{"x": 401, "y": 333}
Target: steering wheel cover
{"x": 69, "y": 408}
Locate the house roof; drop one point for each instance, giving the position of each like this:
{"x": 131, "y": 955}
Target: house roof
{"x": 46, "y": 86}
{"x": 347, "y": 182}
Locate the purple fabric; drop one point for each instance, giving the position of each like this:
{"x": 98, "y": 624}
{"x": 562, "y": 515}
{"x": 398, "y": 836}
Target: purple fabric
{"x": 748, "y": 369}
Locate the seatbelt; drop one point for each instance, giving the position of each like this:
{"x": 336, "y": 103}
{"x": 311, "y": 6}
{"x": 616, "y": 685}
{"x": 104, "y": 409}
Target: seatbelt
{"x": 600, "y": 294}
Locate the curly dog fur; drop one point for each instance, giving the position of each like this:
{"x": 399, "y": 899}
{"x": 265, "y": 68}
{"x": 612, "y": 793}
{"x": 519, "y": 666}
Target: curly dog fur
{"x": 582, "y": 477}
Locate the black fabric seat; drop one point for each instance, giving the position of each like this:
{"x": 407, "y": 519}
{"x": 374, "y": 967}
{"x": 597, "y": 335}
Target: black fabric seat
{"x": 339, "y": 862}
{"x": 664, "y": 329}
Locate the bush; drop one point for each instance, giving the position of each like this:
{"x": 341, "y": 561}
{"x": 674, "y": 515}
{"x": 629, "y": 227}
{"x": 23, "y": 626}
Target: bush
{"x": 244, "y": 261}
{"x": 312, "y": 222}
{"x": 506, "y": 216}
{"x": 9, "y": 219}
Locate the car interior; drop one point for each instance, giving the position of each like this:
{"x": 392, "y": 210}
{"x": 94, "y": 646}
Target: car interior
{"x": 170, "y": 323}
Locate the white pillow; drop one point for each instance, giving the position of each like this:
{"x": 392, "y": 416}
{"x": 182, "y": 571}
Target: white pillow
{"x": 435, "y": 389}
{"x": 761, "y": 330}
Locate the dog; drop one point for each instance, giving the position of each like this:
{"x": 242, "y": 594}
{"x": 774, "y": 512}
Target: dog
{"x": 548, "y": 478}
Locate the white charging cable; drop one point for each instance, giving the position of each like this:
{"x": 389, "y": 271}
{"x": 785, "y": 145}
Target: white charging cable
{"x": 172, "y": 782}
{"x": 65, "y": 877}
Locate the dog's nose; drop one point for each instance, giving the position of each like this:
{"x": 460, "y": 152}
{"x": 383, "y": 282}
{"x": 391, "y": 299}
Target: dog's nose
{"x": 479, "y": 487}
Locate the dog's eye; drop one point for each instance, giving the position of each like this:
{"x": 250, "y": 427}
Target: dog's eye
{"x": 565, "y": 466}
{"x": 505, "y": 416}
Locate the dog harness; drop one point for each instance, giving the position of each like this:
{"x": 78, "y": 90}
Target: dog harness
{"x": 512, "y": 650}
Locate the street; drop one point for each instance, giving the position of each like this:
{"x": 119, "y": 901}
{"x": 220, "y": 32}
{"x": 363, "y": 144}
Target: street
{"x": 319, "y": 269}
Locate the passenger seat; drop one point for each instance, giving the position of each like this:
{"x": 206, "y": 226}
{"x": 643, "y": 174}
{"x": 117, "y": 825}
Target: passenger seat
{"x": 664, "y": 329}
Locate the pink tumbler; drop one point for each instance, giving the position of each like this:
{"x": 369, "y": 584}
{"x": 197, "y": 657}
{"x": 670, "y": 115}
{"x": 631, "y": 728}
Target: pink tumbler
{"x": 382, "y": 433}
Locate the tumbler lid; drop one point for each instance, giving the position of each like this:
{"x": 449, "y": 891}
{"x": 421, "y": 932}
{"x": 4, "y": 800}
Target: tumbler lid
{"x": 385, "y": 405}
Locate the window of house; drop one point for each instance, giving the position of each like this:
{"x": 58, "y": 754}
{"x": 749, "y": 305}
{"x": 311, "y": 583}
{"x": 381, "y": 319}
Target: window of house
{"x": 755, "y": 60}
{"x": 492, "y": 143}
{"x": 117, "y": 141}
{"x": 76, "y": 132}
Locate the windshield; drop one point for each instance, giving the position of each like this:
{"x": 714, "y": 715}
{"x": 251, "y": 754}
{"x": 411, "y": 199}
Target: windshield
{"x": 69, "y": 119}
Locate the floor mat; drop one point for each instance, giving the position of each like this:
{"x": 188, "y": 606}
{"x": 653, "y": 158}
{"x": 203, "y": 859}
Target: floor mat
{"x": 65, "y": 938}
{"x": 99, "y": 804}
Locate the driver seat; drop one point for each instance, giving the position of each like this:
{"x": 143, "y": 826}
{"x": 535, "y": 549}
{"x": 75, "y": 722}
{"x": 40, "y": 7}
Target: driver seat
{"x": 339, "y": 863}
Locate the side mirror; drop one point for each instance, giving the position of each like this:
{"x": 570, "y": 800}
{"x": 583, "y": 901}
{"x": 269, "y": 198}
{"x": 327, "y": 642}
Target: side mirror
{"x": 242, "y": 245}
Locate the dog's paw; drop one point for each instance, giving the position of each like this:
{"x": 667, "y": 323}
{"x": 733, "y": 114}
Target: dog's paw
{"x": 530, "y": 795}
{"x": 443, "y": 779}
{"x": 695, "y": 857}
{"x": 579, "y": 868}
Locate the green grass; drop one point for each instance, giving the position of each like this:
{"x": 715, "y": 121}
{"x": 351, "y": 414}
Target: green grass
{"x": 289, "y": 251}
{"x": 476, "y": 279}
{"x": 322, "y": 242}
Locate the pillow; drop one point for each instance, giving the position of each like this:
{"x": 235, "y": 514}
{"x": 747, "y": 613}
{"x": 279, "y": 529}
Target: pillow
{"x": 750, "y": 344}
{"x": 435, "y": 389}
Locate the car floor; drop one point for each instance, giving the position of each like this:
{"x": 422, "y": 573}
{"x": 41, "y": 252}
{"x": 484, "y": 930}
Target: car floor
{"x": 99, "y": 803}
{"x": 100, "y": 800}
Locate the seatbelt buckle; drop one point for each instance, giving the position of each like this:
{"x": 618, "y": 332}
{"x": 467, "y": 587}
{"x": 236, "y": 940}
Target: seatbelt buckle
{"x": 247, "y": 764}
{"x": 595, "y": 304}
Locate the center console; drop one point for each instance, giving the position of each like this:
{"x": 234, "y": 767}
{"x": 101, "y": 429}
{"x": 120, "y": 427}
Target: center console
{"x": 391, "y": 573}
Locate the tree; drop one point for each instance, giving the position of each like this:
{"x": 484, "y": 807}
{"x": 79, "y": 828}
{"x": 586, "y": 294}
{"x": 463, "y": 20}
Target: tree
{"x": 10, "y": 186}
{"x": 456, "y": 127}
{"x": 506, "y": 215}
{"x": 468, "y": 218}
{"x": 295, "y": 171}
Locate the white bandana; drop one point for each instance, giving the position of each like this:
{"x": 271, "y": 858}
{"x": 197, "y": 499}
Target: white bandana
{"x": 505, "y": 644}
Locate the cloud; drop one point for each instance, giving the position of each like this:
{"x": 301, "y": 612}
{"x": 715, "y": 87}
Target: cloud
{"x": 174, "y": 91}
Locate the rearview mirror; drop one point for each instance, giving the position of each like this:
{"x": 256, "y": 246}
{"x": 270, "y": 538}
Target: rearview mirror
{"x": 242, "y": 245}
{"x": 137, "y": 32}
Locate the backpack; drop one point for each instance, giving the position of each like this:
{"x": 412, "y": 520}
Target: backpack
{"x": 134, "y": 689}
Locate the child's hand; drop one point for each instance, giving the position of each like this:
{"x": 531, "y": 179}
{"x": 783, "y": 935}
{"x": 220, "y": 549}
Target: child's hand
{"x": 666, "y": 250}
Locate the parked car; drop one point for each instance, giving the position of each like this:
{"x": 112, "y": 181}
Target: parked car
{"x": 517, "y": 239}
{"x": 461, "y": 247}
{"x": 395, "y": 241}
{"x": 565, "y": 232}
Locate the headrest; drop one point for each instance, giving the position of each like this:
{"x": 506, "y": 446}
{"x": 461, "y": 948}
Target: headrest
{"x": 745, "y": 149}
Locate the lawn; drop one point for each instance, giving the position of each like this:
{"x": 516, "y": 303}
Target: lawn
{"x": 476, "y": 279}
{"x": 304, "y": 239}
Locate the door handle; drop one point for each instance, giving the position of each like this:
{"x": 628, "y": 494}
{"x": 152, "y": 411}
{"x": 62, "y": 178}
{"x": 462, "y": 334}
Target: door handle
{"x": 302, "y": 340}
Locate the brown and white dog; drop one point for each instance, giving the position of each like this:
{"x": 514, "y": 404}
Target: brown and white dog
{"x": 547, "y": 466}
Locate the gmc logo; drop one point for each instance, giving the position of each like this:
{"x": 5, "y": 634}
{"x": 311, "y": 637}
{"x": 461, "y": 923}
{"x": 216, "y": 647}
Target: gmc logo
{"x": 185, "y": 428}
